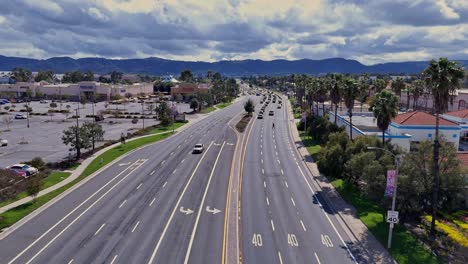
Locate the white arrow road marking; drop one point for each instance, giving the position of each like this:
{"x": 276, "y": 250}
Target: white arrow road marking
{"x": 124, "y": 164}
{"x": 186, "y": 212}
{"x": 213, "y": 211}
{"x": 194, "y": 230}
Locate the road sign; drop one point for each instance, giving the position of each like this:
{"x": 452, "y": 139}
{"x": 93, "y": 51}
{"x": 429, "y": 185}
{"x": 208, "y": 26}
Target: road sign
{"x": 392, "y": 217}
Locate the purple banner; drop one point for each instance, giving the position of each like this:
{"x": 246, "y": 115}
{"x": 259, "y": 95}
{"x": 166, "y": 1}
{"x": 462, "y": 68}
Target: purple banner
{"x": 390, "y": 189}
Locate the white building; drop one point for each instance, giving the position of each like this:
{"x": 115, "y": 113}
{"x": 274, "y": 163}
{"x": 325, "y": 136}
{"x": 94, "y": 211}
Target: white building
{"x": 421, "y": 127}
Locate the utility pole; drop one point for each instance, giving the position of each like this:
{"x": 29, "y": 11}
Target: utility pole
{"x": 397, "y": 169}
{"x": 143, "y": 113}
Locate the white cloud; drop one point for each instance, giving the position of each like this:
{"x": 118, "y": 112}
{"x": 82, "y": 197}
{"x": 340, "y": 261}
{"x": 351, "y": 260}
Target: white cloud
{"x": 373, "y": 31}
{"x": 46, "y": 5}
{"x": 446, "y": 10}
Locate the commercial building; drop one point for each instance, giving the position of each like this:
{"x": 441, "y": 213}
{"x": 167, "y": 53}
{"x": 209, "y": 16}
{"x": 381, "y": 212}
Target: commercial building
{"x": 189, "y": 89}
{"x": 74, "y": 90}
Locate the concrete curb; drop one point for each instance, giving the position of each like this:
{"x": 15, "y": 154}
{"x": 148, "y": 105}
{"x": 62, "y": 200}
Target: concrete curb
{"x": 356, "y": 230}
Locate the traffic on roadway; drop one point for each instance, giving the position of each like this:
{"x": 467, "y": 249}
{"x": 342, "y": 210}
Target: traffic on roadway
{"x": 168, "y": 203}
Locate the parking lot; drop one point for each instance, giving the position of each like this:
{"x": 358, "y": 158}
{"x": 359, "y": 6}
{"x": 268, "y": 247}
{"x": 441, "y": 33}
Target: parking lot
{"x": 43, "y": 138}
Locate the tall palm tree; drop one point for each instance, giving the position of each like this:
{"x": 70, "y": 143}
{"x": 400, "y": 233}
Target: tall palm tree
{"x": 349, "y": 94}
{"x": 442, "y": 78}
{"x": 385, "y": 107}
{"x": 321, "y": 93}
{"x": 379, "y": 85}
{"x": 336, "y": 90}
{"x": 417, "y": 90}
{"x": 397, "y": 86}
{"x": 363, "y": 86}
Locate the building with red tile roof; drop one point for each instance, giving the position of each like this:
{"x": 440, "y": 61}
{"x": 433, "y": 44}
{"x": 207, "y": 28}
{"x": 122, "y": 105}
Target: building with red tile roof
{"x": 421, "y": 126}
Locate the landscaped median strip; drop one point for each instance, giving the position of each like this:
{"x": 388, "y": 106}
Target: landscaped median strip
{"x": 13, "y": 215}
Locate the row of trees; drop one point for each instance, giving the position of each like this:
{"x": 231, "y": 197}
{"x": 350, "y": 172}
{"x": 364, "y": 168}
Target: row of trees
{"x": 440, "y": 80}
{"x": 25, "y": 75}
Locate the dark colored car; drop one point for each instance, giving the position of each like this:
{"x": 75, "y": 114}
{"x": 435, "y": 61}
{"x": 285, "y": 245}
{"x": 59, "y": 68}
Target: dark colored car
{"x": 271, "y": 113}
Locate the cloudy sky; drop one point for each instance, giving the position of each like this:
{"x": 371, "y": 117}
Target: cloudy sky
{"x": 370, "y": 31}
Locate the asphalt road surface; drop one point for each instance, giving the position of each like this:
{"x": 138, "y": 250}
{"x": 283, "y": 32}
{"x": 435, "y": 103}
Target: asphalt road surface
{"x": 282, "y": 219}
{"x": 160, "y": 204}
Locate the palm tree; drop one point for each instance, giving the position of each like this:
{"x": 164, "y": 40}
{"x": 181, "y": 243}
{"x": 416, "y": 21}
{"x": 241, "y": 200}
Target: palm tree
{"x": 379, "y": 85}
{"x": 321, "y": 93}
{"x": 417, "y": 90}
{"x": 336, "y": 87}
{"x": 397, "y": 86}
{"x": 442, "y": 77}
{"x": 385, "y": 107}
{"x": 363, "y": 86}
{"x": 349, "y": 94}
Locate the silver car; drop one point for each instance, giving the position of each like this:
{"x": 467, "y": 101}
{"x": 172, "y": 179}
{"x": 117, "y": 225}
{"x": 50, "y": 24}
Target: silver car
{"x": 3, "y": 142}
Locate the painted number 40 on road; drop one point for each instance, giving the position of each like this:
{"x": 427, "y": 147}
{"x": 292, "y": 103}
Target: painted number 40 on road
{"x": 257, "y": 240}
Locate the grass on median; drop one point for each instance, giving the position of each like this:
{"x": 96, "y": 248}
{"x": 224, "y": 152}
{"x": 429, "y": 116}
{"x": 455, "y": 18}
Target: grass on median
{"x": 405, "y": 247}
{"x": 12, "y": 216}
{"x": 53, "y": 178}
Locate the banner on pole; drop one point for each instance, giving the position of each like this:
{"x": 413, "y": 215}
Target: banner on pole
{"x": 390, "y": 189}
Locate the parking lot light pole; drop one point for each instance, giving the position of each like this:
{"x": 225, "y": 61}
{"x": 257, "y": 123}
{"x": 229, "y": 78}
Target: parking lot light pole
{"x": 397, "y": 169}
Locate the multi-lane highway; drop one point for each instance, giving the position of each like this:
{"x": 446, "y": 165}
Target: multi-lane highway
{"x": 282, "y": 220}
{"x": 160, "y": 204}
{"x": 163, "y": 204}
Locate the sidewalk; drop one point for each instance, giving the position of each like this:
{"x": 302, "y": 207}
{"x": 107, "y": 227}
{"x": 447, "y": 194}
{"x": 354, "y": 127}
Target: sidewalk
{"x": 346, "y": 214}
{"x": 77, "y": 172}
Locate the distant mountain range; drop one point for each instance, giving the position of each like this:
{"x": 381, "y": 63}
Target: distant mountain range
{"x": 158, "y": 66}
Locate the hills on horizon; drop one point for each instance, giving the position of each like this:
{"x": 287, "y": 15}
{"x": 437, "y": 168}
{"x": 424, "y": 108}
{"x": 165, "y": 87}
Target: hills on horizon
{"x": 159, "y": 66}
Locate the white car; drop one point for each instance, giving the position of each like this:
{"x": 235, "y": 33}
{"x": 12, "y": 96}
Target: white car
{"x": 198, "y": 148}
{"x": 3, "y": 142}
{"x": 20, "y": 116}
{"x": 24, "y": 167}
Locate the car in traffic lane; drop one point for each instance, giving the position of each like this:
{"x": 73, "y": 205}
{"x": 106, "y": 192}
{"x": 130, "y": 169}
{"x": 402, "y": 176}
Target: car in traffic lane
{"x": 198, "y": 148}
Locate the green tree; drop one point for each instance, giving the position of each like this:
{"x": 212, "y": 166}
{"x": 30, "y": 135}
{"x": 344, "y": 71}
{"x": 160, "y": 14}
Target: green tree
{"x": 363, "y": 89}
{"x": 350, "y": 93}
{"x": 164, "y": 113}
{"x": 47, "y": 76}
{"x": 379, "y": 85}
{"x": 33, "y": 187}
{"x": 73, "y": 77}
{"x": 88, "y": 76}
{"x": 398, "y": 86}
{"x": 116, "y": 76}
{"x": 21, "y": 74}
{"x": 417, "y": 90}
{"x": 336, "y": 90}
{"x": 194, "y": 104}
{"x": 186, "y": 76}
{"x": 7, "y": 189}
{"x": 385, "y": 107}
{"x": 94, "y": 132}
{"x": 77, "y": 138}
{"x": 249, "y": 106}
{"x": 443, "y": 78}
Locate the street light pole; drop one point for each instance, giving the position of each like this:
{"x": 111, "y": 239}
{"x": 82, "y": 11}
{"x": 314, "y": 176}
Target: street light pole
{"x": 397, "y": 169}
